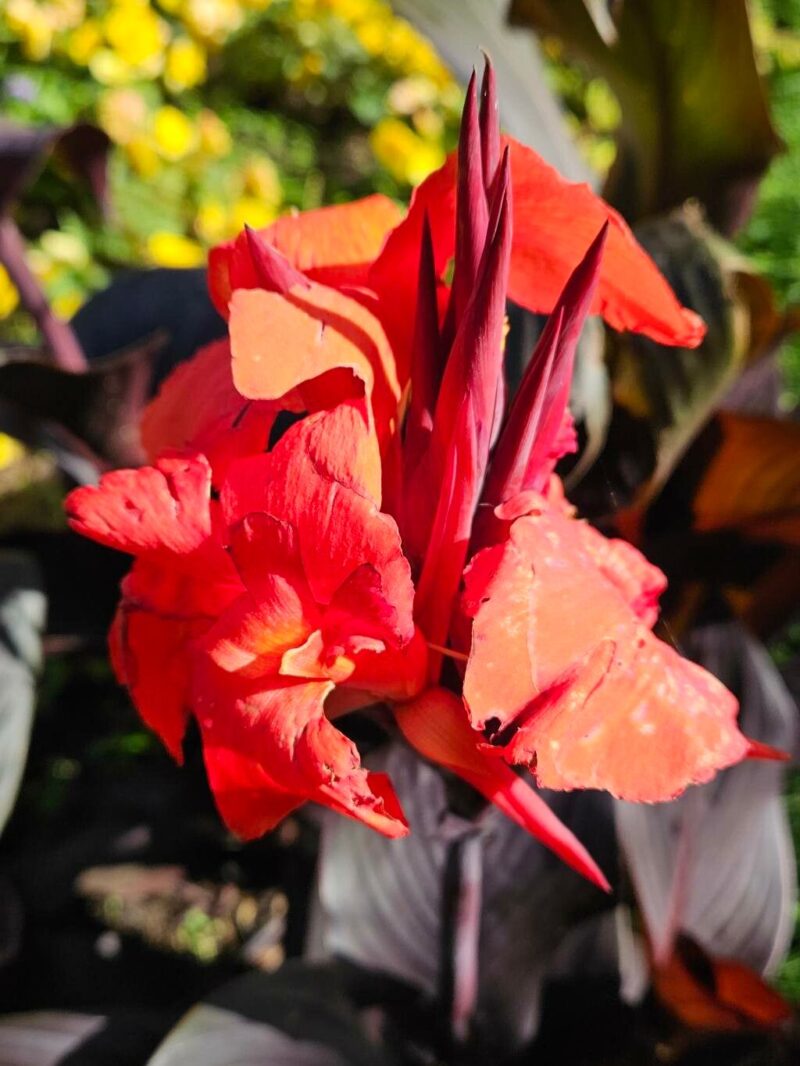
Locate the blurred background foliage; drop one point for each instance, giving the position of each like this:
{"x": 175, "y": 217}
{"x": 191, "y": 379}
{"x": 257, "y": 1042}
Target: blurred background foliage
{"x": 222, "y": 112}
{"x": 772, "y": 236}
{"x": 226, "y": 112}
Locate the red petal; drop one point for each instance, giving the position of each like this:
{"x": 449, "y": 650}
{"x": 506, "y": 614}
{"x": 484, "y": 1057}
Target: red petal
{"x": 472, "y": 209}
{"x": 333, "y": 245}
{"x": 276, "y": 612}
{"x": 246, "y": 798}
{"x": 490, "y": 126}
{"x": 149, "y": 655}
{"x": 554, "y": 222}
{"x": 436, "y": 725}
{"x": 338, "y": 529}
{"x": 283, "y": 729}
{"x": 640, "y": 583}
{"x": 161, "y": 508}
{"x": 198, "y": 407}
{"x": 608, "y": 705}
{"x": 318, "y": 341}
{"x": 273, "y": 271}
{"x": 530, "y": 442}
{"x": 336, "y": 445}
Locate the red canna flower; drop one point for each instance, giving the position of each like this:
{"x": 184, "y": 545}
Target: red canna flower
{"x": 249, "y": 609}
{"x": 407, "y": 517}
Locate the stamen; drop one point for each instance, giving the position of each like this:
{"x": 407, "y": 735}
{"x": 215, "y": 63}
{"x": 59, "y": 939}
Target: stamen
{"x": 449, "y": 652}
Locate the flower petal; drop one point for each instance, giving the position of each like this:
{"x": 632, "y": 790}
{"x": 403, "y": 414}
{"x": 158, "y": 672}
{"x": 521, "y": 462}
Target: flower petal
{"x": 436, "y": 725}
{"x": 338, "y": 529}
{"x": 326, "y": 345}
{"x": 275, "y": 613}
{"x": 149, "y": 654}
{"x": 333, "y": 245}
{"x": 217, "y": 421}
{"x": 161, "y": 508}
{"x": 280, "y": 725}
{"x": 607, "y": 704}
{"x": 554, "y": 222}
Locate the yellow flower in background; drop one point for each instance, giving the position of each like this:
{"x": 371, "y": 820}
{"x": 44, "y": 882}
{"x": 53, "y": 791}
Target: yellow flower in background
{"x": 409, "y": 94}
{"x": 136, "y": 35}
{"x": 211, "y": 222}
{"x": 65, "y": 248}
{"x": 9, "y": 297}
{"x": 67, "y": 303}
{"x": 372, "y": 36}
{"x": 84, "y": 41}
{"x": 212, "y": 20}
{"x": 248, "y": 211}
{"x": 406, "y": 155}
{"x": 174, "y": 250}
{"x": 215, "y": 140}
{"x": 44, "y": 269}
{"x": 106, "y": 67}
{"x": 174, "y": 134}
{"x": 185, "y": 65}
{"x": 261, "y": 179}
{"x": 65, "y": 14}
{"x": 123, "y": 114}
{"x": 142, "y": 156}
{"x": 30, "y": 24}
{"x": 353, "y": 10}
{"x": 11, "y": 450}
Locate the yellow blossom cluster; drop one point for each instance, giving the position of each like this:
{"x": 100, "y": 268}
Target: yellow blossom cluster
{"x": 150, "y": 137}
{"x": 37, "y": 22}
{"x": 188, "y": 180}
{"x": 381, "y": 34}
{"x": 57, "y": 260}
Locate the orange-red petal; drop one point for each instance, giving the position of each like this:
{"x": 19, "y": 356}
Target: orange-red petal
{"x": 571, "y": 682}
{"x": 333, "y": 245}
{"x": 280, "y": 725}
{"x": 161, "y": 508}
{"x": 554, "y": 222}
{"x": 319, "y": 341}
{"x": 199, "y": 408}
{"x": 436, "y": 725}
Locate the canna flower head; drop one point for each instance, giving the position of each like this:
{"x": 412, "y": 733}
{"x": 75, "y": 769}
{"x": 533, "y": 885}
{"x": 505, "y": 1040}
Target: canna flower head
{"x": 405, "y": 541}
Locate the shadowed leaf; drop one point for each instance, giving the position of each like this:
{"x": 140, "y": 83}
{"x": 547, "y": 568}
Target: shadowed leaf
{"x": 23, "y": 151}
{"x": 753, "y": 481}
{"x": 297, "y": 1017}
{"x": 382, "y": 905}
{"x": 672, "y": 65}
{"x": 717, "y": 995}
{"x": 100, "y": 406}
{"x": 718, "y": 863}
{"x": 22, "y": 615}
{"x": 662, "y": 396}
